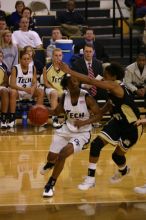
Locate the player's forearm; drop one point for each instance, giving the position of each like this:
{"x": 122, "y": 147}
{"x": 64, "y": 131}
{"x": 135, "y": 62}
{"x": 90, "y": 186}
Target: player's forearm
{"x": 14, "y": 86}
{"x": 107, "y": 107}
{"x": 92, "y": 119}
{"x": 81, "y": 77}
{"x": 56, "y": 111}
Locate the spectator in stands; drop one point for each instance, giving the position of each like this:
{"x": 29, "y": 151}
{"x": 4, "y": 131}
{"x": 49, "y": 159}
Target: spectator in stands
{"x": 140, "y": 8}
{"x": 83, "y": 65}
{"x": 89, "y": 38}
{"x": 70, "y": 19}
{"x": 3, "y": 25}
{"x": 135, "y": 76}
{"x": 10, "y": 51}
{"x": 26, "y": 13}
{"x": 15, "y": 17}
{"x": 52, "y": 76}
{"x": 4, "y": 93}
{"x": 56, "y": 35}
{"x": 34, "y": 62}
{"x": 2, "y": 13}
{"x": 25, "y": 37}
{"x": 23, "y": 84}
{"x": 71, "y": 15}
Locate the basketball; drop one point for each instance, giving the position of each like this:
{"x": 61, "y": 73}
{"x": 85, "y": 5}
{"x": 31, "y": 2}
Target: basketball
{"x": 38, "y": 115}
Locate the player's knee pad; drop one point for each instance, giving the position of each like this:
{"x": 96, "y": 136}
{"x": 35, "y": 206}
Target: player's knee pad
{"x": 96, "y": 146}
{"x": 118, "y": 159}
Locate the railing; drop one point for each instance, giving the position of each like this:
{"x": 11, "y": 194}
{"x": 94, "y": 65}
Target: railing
{"x": 86, "y": 10}
{"x": 123, "y": 19}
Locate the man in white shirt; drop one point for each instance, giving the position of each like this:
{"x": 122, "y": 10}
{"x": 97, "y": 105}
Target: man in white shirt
{"x": 135, "y": 76}
{"x": 25, "y": 37}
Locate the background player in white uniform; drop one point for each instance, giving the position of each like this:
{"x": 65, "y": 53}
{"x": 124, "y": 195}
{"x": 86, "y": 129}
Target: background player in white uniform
{"x": 4, "y": 93}
{"x": 52, "y": 76}
{"x": 81, "y": 111}
{"x": 23, "y": 83}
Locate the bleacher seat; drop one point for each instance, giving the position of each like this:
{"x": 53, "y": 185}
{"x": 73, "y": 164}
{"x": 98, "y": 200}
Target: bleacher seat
{"x": 46, "y": 41}
{"x": 40, "y": 55}
{"x": 77, "y": 40}
{"x": 38, "y": 8}
{"x": 45, "y": 20}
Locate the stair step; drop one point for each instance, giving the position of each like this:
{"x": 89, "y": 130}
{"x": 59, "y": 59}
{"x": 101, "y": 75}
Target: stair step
{"x": 115, "y": 50}
{"x": 104, "y": 31}
{"x": 79, "y": 4}
{"x": 116, "y": 40}
{"x": 92, "y": 12}
{"x": 125, "y": 61}
{"x": 98, "y": 13}
{"x": 92, "y": 21}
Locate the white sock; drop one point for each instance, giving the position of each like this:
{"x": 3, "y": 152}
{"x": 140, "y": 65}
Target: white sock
{"x": 92, "y": 166}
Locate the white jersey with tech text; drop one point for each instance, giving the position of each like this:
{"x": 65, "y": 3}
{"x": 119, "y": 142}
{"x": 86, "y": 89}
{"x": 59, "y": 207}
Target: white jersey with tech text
{"x": 24, "y": 80}
{"x": 76, "y": 112}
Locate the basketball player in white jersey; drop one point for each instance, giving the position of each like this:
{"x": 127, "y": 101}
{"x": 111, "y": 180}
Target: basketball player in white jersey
{"x": 4, "y": 92}
{"x": 23, "y": 84}
{"x": 52, "y": 76}
{"x": 81, "y": 111}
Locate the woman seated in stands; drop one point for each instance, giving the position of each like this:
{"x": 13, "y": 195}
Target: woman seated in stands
{"x": 10, "y": 51}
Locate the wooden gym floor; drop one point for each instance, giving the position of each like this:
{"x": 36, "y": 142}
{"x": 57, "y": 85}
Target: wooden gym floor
{"x": 22, "y": 153}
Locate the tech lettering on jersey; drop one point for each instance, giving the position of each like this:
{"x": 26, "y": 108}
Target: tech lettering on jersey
{"x": 75, "y": 115}
{"x": 56, "y": 79}
{"x": 23, "y": 81}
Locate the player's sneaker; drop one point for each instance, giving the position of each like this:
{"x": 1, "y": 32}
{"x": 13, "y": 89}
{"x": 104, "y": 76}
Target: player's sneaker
{"x": 11, "y": 124}
{"x": 89, "y": 182}
{"x": 117, "y": 177}
{"x": 45, "y": 168}
{"x": 56, "y": 123}
{"x": 4, "y": 125}
{"x": 140, "y": 189}
{"x": 48, "y": 191}
{"x": 43, "y": 171}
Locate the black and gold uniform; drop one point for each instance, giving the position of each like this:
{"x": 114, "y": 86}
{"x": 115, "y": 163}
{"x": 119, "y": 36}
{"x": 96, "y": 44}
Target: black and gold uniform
{"x": 54, "y": 77}
{"x": 121, "y": 129}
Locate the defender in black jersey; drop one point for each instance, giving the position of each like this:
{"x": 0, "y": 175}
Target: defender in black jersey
{"x": 120, "y": 131}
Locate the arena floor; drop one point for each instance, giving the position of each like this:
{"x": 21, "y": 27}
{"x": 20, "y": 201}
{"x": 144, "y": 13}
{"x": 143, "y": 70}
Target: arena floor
{"x": 22, "y": 153}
